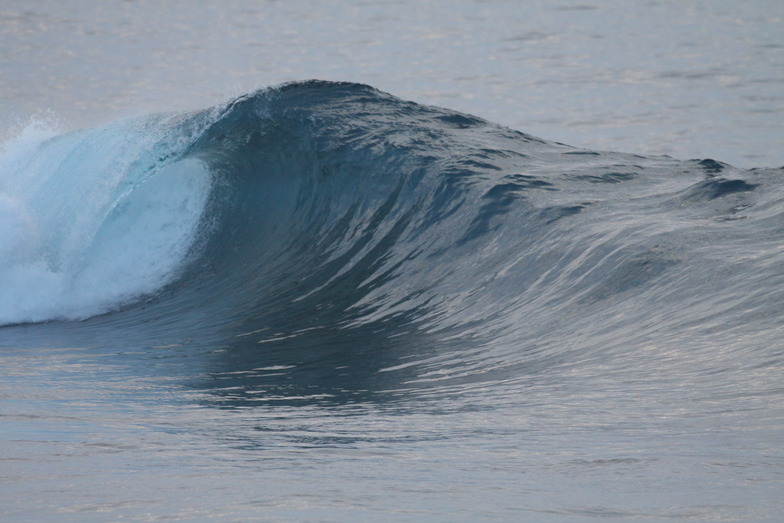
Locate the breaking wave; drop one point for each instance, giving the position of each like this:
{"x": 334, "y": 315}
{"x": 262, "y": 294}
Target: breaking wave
{"x": 333, "y": 214}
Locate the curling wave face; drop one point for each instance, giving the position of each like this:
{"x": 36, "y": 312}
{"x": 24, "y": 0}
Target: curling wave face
{"x": 94, "y": 220}
{"x": 324, "y": 211}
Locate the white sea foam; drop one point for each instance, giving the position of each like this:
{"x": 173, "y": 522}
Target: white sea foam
{"x": 92, "y": 220}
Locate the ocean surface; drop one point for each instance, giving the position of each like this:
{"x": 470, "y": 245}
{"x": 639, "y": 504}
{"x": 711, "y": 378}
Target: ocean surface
{"x": 376, "y": 261}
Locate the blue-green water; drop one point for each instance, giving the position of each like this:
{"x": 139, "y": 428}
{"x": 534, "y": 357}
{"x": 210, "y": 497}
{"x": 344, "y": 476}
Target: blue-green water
{"x": 321, "y": 301}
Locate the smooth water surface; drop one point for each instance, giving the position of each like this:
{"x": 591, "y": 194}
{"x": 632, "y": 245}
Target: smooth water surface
{"x": 688, "y": 79}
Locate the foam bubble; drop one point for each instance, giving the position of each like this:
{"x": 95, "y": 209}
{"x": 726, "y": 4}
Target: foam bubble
{"x": 18, "y": 231}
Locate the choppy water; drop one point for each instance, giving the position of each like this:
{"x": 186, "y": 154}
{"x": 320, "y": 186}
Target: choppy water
{"x": 320, "y": 301}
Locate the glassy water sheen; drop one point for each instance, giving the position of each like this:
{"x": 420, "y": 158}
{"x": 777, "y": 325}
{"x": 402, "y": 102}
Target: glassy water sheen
{"x": 322, "y": 301}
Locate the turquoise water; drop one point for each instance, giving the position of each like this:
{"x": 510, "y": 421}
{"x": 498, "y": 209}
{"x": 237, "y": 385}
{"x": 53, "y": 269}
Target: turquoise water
{"x": 323, "y": 302}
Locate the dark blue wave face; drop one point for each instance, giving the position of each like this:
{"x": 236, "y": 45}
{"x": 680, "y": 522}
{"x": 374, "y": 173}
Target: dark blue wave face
{"x": 354, "y": 243}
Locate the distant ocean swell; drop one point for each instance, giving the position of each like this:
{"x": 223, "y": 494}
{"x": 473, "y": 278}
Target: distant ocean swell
{"x": 334, "y": 217}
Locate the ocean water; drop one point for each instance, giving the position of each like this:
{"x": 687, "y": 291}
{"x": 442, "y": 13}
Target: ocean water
{"x": 419, "y": 288}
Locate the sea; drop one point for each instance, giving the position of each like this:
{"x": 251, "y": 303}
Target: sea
{"x": 392, "y": 260}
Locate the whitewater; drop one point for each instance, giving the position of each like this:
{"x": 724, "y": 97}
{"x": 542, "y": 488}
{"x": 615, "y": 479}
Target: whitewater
{"x": 327, "y": 300}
